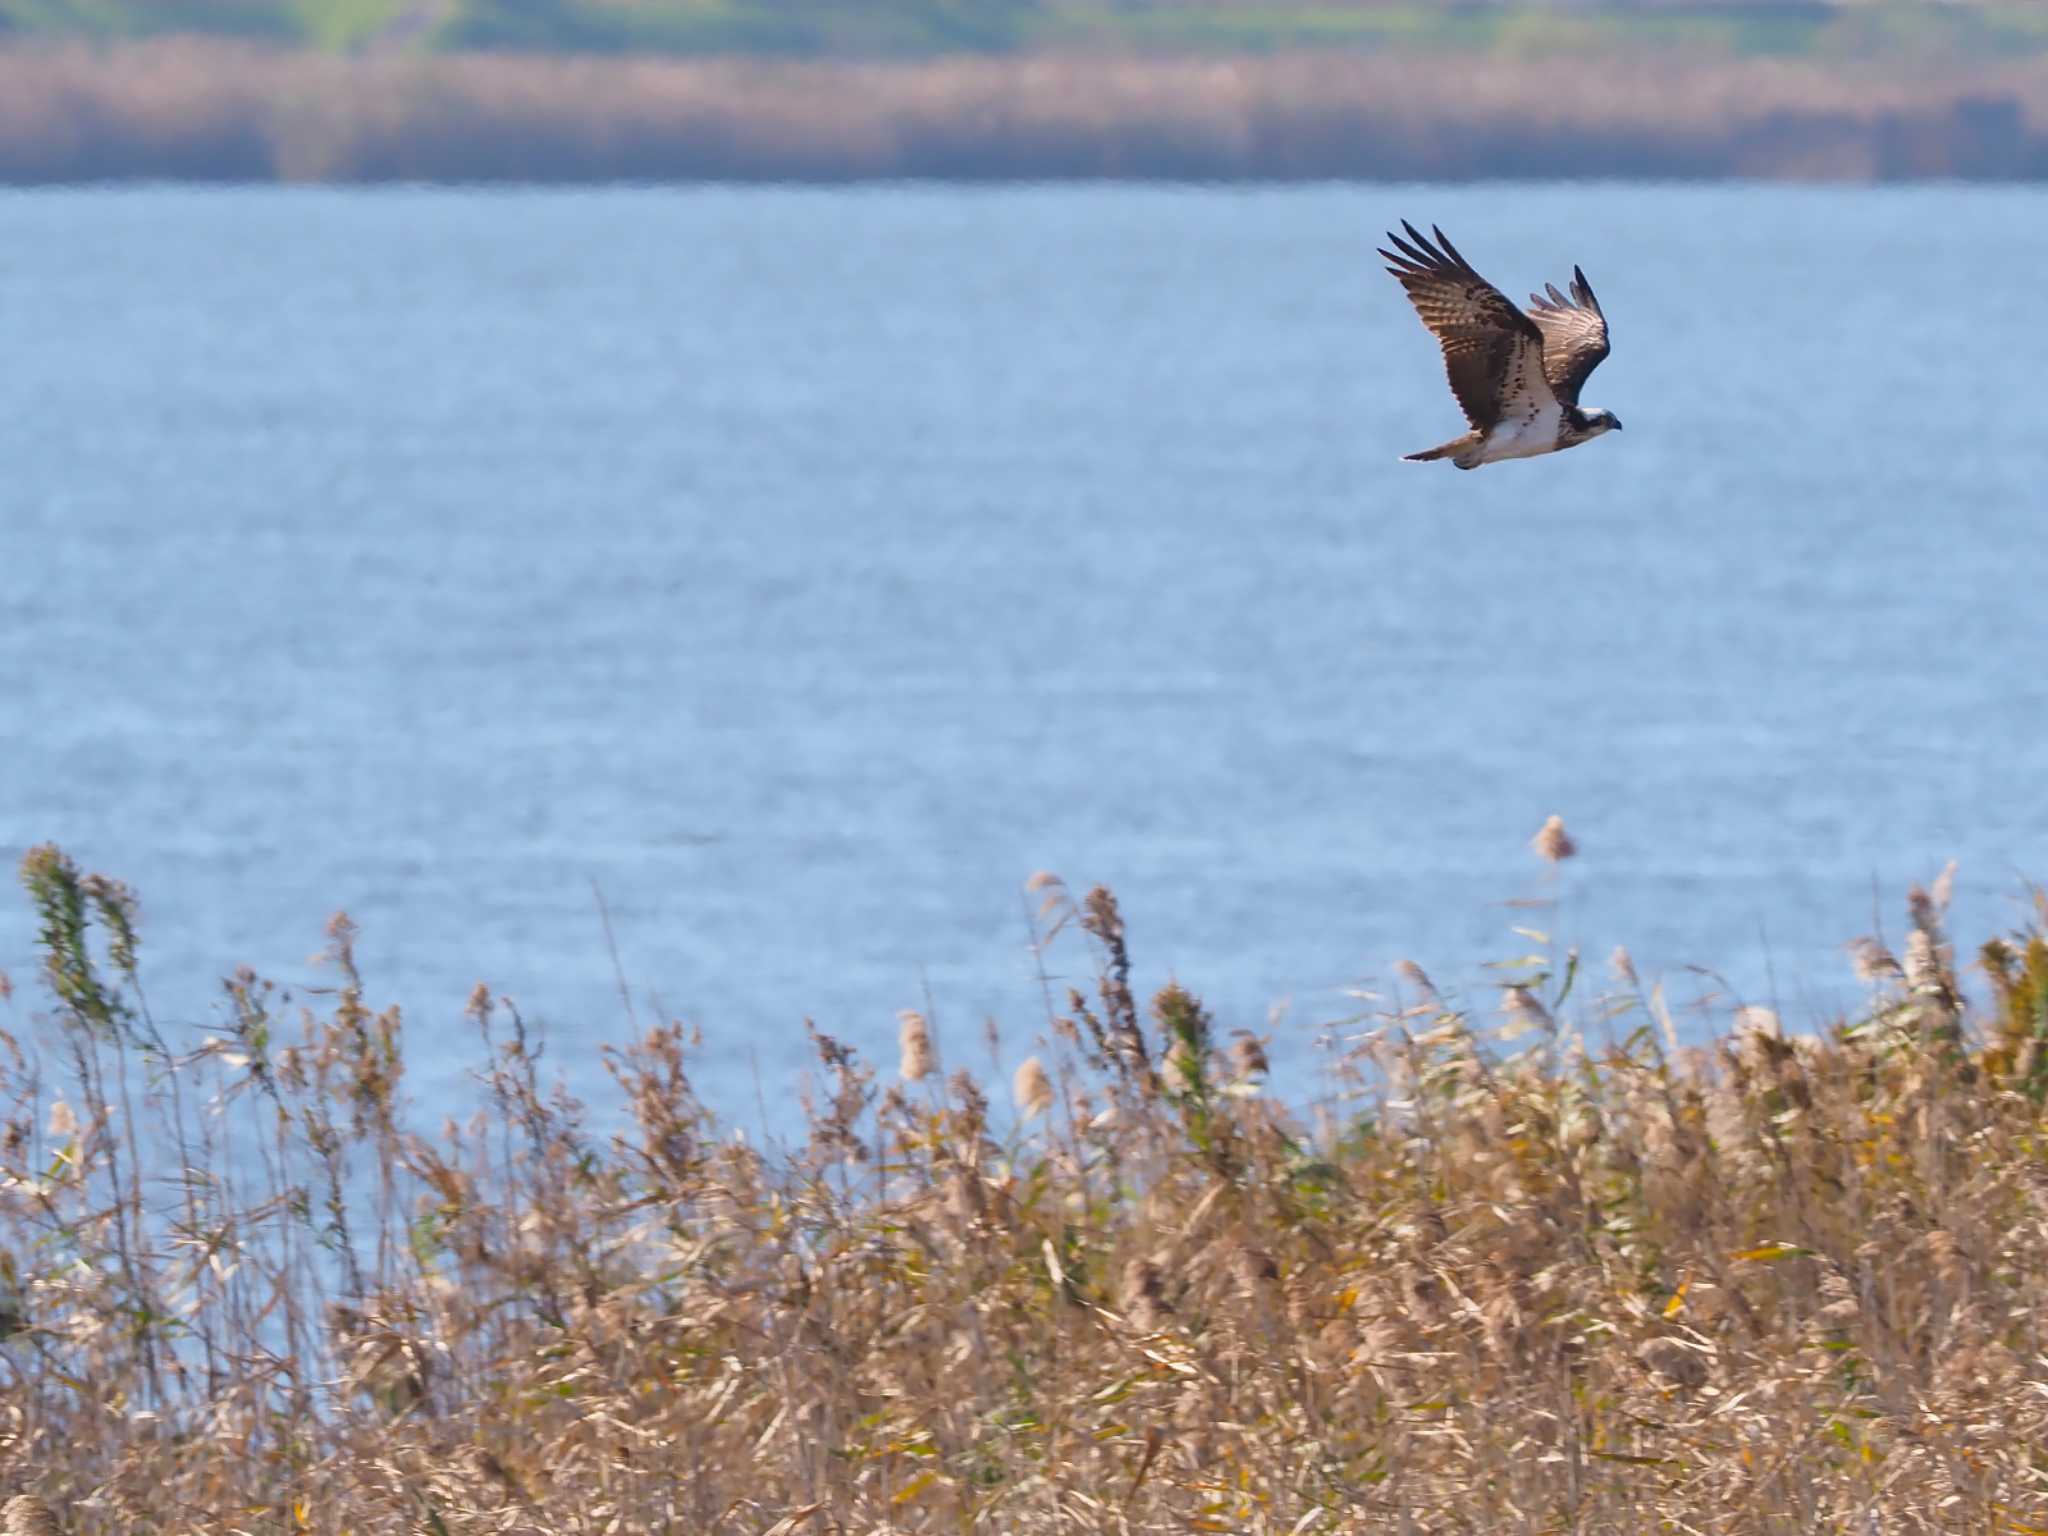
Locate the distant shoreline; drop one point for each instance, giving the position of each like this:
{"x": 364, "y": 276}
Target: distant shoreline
{"x": 198, "y": 110}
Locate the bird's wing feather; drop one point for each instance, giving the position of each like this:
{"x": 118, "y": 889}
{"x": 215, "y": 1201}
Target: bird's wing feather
{"x": 1574, "y": 335}
{"x": 1487, "y": 342}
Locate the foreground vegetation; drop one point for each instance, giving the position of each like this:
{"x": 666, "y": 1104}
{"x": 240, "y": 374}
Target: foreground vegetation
{"x": 1497, "y": 1281}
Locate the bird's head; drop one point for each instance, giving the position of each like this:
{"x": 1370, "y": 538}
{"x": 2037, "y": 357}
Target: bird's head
{"x": 1602, "y": 421}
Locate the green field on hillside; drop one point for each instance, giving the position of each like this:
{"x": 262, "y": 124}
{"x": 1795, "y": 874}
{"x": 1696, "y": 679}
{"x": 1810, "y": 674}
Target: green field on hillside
{"x": 896, "y": 27}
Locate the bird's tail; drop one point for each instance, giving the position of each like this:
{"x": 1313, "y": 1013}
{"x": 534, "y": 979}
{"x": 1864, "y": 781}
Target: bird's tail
{"x": 1426, "y": 455}
{"x": 1455, "y": 449}
{"x": 1444, "y": 451}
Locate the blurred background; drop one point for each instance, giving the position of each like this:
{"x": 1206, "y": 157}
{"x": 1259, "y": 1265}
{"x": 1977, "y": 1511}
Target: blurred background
{"x": 765, "y": 479}
{"x": 552, "y": 90}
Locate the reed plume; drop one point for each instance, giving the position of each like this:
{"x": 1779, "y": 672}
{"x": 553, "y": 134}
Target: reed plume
{"x": 1552, "y": 842}
{"x": 914, "y": 1039}
{"x": 1772, "y": 1279}
{"x": 1031, "y": 1088}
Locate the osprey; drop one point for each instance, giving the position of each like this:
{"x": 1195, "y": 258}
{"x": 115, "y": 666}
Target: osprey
{"x": 1517, "y": 377}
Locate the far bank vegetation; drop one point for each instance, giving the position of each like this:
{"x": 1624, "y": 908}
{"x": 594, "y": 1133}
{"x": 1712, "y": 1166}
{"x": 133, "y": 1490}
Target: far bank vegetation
{"x": 196, "y": 109}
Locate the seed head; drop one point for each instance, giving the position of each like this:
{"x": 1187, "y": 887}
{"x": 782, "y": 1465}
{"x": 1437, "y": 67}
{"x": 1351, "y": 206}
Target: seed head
{"x": 1417, "y": 978}
{"x": 1920, "y": 907}
{"x": 1873, "y": 962}
{"x": 1922, "y": 962}
{"x": 1031, "y": 1088}
{"x": 27, "y": 1515}
{"x": 1944, "y": 888}
{"x": 1552, "y": 842}
{"x": 1753, "y": 1020}
{"x": 915, "y": 1038}
{"x": 1519, "y": 1003}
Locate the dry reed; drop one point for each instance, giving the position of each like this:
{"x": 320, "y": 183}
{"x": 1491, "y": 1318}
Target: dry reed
{"x": 1777, "y": 1283}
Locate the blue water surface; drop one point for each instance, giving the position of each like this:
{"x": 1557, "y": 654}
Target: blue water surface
{"x": 804, "y": 569}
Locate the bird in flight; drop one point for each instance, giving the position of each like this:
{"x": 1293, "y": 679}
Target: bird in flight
{"x": 1517, "y": 377}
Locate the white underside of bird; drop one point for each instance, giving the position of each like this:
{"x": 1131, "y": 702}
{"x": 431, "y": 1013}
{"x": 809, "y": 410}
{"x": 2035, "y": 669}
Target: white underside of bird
{"x": 1521, "y": 437}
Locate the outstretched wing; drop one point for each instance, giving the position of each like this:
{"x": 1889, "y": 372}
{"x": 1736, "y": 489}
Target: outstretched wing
{"x": 1574, "y": 335}
{"x": 1492, "y": 351}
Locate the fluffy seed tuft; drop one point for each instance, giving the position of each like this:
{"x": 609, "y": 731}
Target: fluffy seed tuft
{"x": 1031, "y": 1088}
{"x": 1552, "y": 842}
{"x": 914, "y": 1037}
{"x": 27, "y": 1515}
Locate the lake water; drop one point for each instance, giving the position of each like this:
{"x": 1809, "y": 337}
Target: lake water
{"x": 805, "y": 569}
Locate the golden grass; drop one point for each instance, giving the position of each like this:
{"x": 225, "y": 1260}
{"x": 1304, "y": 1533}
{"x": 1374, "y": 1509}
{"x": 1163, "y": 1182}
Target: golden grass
{"x": 193, "y": 108}
{"x": 1496, "y": 1281}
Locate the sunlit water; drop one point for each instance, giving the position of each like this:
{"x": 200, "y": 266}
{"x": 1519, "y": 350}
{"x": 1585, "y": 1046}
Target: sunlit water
{"x": 803, "y": 570}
